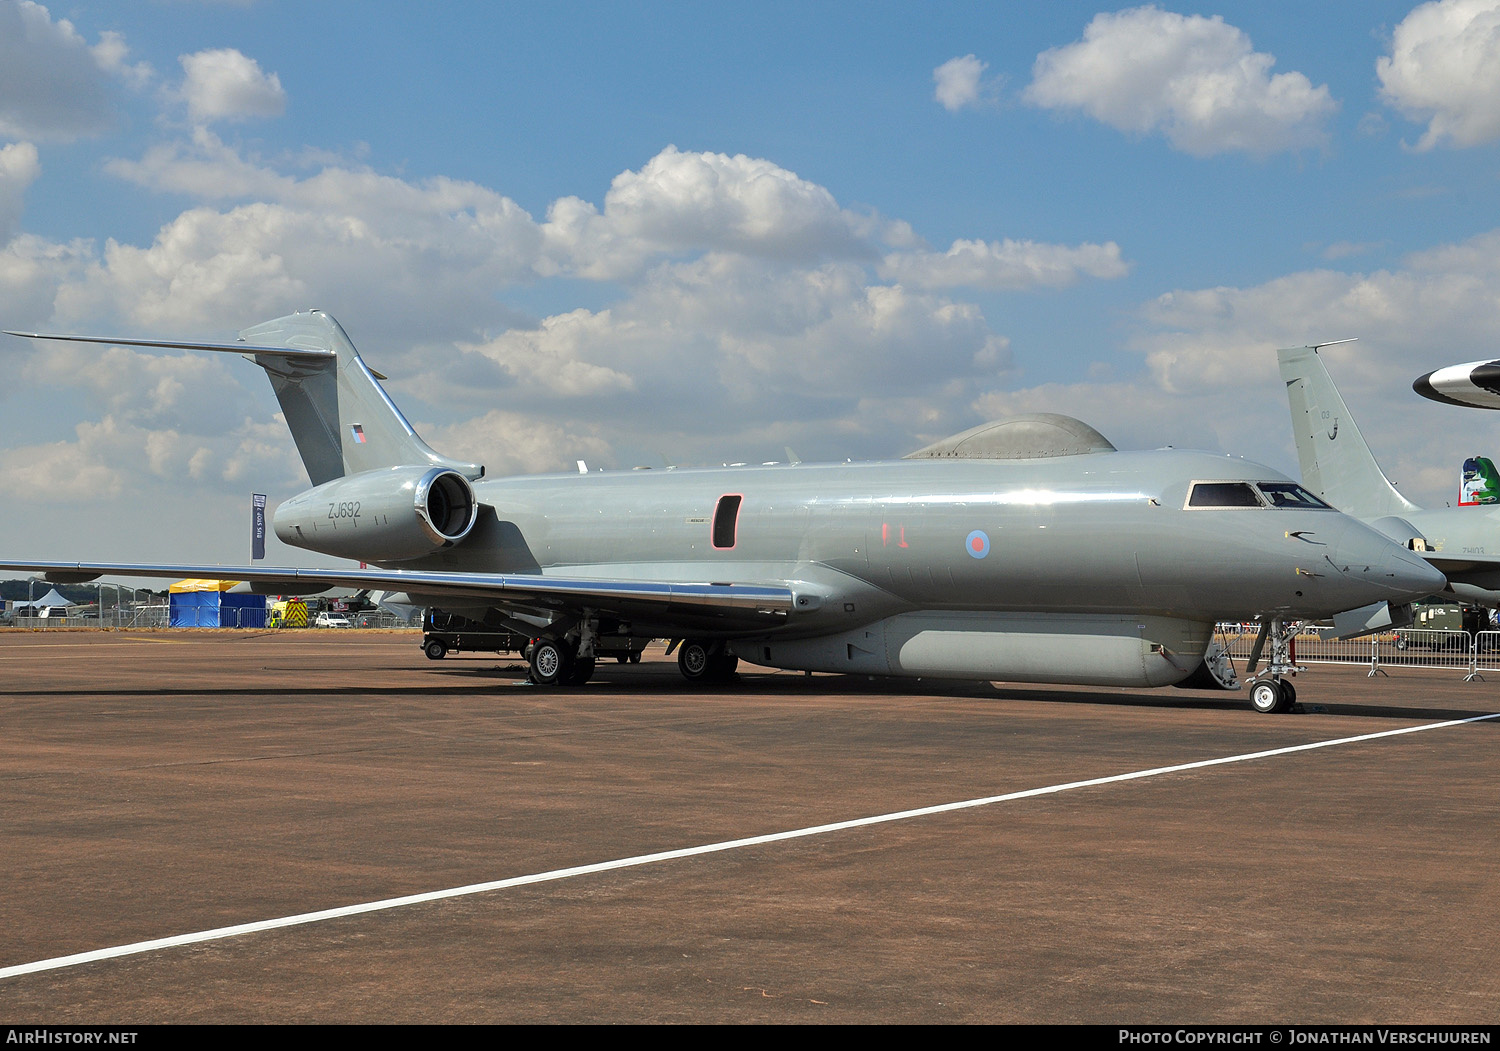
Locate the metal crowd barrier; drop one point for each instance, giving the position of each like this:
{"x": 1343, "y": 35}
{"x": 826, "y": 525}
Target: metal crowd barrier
{"x": 1409, "y": 648}
{"x": 160, "y": 617}
{"x": 1486, "y": 652}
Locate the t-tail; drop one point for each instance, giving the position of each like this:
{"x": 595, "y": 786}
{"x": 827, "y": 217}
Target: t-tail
{"x": 380, "y": 493}
{"x": 1336, "y": 461}
{"x": 340, "y": 416}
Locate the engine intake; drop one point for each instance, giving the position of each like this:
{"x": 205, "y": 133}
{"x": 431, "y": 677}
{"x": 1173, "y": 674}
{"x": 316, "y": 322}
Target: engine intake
{"x": 385, "y": 515}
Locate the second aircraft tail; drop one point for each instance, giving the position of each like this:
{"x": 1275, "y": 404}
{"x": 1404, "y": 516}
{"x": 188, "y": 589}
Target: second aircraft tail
{"x": 1336, "y": 461}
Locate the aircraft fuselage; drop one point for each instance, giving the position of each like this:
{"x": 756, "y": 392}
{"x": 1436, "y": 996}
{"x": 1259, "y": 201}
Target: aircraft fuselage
{"x": 1100, "y": 533}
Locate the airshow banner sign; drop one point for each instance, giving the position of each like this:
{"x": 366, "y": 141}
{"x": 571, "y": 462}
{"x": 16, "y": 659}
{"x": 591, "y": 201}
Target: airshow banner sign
{"x": 257, "y": 526}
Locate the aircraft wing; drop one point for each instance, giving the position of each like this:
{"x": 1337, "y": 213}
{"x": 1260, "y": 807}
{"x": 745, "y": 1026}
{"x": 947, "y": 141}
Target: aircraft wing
{"x": 701, "y": 605}
{"x": 1461, "y": 563}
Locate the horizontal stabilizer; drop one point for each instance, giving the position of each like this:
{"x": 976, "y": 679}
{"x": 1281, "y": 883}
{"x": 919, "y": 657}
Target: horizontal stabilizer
{"x": 341, "y": 418}
{"x": 165, "y": 344}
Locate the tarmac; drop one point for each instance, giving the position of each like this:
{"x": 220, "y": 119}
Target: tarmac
{"x": 161, "y": 784}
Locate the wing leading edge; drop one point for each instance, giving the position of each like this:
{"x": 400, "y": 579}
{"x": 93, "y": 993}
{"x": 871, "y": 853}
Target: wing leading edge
{"x": 723, "y": 605}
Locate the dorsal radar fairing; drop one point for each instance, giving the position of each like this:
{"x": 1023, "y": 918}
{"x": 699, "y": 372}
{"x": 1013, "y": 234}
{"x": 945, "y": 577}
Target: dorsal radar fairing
{"x": 1030, "y": 436}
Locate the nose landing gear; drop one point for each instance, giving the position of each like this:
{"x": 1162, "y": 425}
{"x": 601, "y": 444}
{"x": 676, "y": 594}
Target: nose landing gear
{"x": 1269, "y": 691}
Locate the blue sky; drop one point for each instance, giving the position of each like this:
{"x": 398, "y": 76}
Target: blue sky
{"x": 630, "y": 232}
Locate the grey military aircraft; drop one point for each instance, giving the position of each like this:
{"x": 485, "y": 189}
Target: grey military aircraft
{"x": 1027, "y": 550}
{"x": 1463, "y": 542}
{"x": 1475, "y": 384}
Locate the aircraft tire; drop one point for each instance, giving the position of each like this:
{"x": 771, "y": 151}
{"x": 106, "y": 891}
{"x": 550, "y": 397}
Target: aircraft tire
{"x": 723, "y": 666}
{"x": 550, "y": 662}
{"x": 581, "y": 671}
{"x": 695, "y": 660}
{"x": 1269, "y": 695}
{"x": 635, "y": 656}
{"x": 435, "y": 649}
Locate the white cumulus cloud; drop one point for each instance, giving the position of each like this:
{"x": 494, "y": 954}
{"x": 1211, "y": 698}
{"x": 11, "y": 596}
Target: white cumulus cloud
{"x": 223, "y": 84}
{"x": 1196, "y": 80}
{"x": 518, "y": 443}
{"x": 1004, "y": 265}
{"x": 958, "y": 83}
{"x": 692, "y": 202}
{"x": 745, "y": 310}
{"x": 18, "y": 170}
{"x": 51, "y": 85}
{"x": 1438, "y": 307}
{"x": 1444, "y": 69}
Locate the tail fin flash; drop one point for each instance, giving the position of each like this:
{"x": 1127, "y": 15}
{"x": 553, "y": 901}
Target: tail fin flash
{"x": 1478, "y": 482}
{"x": 1336, "y": 461}
{"x": 340, "y": 416}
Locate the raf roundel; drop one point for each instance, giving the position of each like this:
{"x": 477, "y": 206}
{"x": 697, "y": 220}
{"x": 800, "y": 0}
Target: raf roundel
{"x": 977, "y": 544}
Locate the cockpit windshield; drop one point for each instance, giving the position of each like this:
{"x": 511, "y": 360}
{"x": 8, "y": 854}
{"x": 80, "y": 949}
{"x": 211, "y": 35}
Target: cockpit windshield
{"x": 1205, "y": 495}
{"x": 1290, "y": 494}
{"x": 1223, "y": 494}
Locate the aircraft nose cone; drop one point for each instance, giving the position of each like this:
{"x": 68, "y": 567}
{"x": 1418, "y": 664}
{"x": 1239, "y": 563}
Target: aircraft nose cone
{"x": 1415, "y": 576}
{"x": 1399, "y": 574}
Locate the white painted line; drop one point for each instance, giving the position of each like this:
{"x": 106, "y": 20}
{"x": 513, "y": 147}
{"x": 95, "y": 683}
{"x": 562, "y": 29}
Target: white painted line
{"x": 220, "y": 933}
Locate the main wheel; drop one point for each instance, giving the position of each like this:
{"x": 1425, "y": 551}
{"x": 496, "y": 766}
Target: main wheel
{"x": 694, "y": 660}
{"x": 435, "y": 649}
{"x": 581, "y": 671}
{"x": 722, "y": 665}
{"x": 550, "y": 662}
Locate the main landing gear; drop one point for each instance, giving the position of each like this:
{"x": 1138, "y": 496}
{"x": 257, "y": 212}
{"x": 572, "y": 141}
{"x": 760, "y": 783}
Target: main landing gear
{"x": 555, "y": 663}
{"x": 705, "y": 662}
{"x": 567, "y": 660}
{"x": 1269, "y": 691}
{"x": 569, "y": 654}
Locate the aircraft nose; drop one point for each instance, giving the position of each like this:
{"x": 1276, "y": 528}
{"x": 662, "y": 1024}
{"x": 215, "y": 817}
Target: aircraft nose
{"x": 1366, "y": 557}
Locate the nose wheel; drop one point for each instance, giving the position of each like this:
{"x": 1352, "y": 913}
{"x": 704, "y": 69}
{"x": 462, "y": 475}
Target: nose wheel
{"x": 1272, "y": 695}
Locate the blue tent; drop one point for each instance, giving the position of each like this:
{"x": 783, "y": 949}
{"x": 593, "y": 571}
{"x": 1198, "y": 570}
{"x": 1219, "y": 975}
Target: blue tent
{"x": 210, "y": 604}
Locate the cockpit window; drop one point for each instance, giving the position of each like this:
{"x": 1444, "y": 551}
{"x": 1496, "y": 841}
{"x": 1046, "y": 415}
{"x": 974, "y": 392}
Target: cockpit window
{"x": 1290, "y": 494}
{"x": 1223, "y": 494}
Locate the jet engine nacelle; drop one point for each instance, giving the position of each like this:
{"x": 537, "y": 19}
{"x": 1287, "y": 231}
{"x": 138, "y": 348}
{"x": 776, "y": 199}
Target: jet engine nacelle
{"x": 385, "y": 515}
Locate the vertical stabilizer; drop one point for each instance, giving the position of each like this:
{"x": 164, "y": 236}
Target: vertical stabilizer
{"x": 1336, "y": 461}
{"x": 340, "y": 416}
{"x": 1478, "y": 482}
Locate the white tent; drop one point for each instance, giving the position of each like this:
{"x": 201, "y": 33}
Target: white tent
{"x": 51, "y": 600}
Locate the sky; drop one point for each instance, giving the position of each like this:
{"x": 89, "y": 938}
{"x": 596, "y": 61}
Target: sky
{"x": 653, "y": 233}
